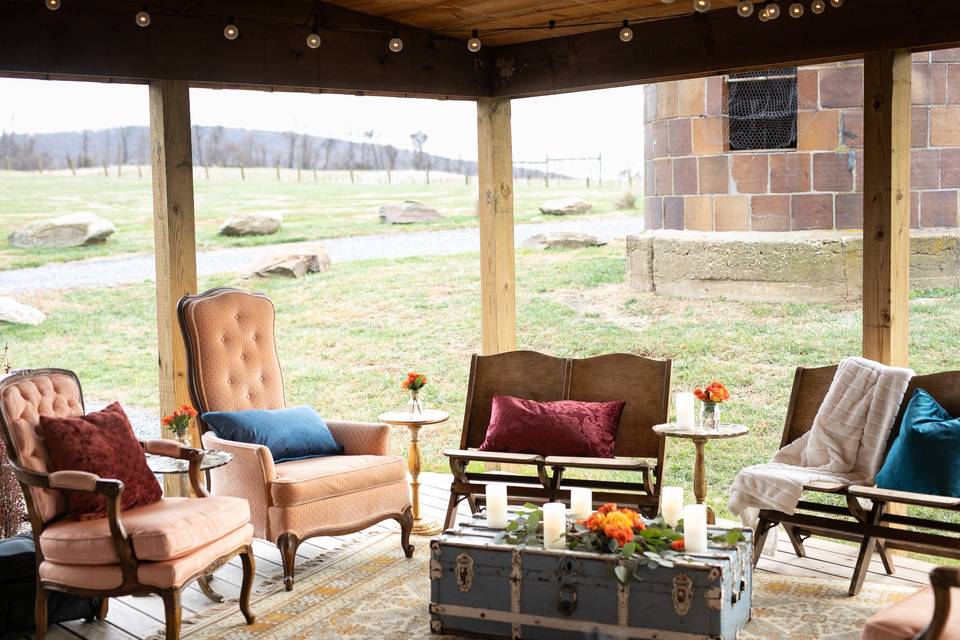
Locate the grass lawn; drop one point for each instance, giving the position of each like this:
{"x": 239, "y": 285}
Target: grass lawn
{"x": 331, "y": 207}
{"x": 349, "y": 335}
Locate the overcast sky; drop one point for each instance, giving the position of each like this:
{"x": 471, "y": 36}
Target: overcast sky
{"x": 580, "y": 124}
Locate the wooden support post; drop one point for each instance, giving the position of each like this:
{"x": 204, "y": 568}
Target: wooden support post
{"x": 886, "y": 206}
{"x": 495, "y": 176}
{"x": 174, "y": 237}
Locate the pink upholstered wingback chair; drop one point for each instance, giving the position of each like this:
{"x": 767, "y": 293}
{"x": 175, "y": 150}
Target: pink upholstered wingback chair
{"x": 158, "y": 548}
{"x": 233, "y": 365}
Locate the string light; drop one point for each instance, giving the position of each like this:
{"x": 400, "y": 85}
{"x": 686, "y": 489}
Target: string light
{"x": 745, "y": 8}
{"x": 764, "y": 16}
{"x": 818, "y": 6}
{"x": 396, "y": 44}
{"x": 701, "y": 5}
{"x": 626, "y": 33}
{"x": 836, "y": 4}
{"x": 53, "y": 5}
{"x": 313, "y": 40}
{"x": 796, "y": 10}
{"x": 231, "y": 31}
{"x": 773, "y": 11}
{"x": 474, "y": 44}
{"x": 142, "y": 18}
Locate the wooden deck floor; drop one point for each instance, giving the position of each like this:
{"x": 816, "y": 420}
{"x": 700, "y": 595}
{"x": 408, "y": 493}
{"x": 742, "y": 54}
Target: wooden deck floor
{"x": 131, "y": 618}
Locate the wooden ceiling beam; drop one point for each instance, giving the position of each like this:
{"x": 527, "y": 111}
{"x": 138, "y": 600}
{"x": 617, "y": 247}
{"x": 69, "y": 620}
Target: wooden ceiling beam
{"x": 97, "y": 39}
{"x": 720, "y": 42}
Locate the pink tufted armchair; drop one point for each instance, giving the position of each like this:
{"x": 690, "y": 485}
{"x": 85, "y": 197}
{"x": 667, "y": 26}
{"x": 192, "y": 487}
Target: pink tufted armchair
{"x": 158, "y": 548}
{"x": 233, "y": 365}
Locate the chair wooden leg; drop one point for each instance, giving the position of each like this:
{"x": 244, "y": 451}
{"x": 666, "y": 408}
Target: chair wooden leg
{"x": 103, "y": 609}
{"x": 40, "y": 613}
{"x": 451, "y": 518}
{"x": 885, "y": 558}
{"x": 760, "y": 537}
{"x": 288, "y": 543}
{"x": 172, "y": 612}
{"x": 247, "y": 585}
{"x": 866, "y": 552}
{"x": 406, "y": 526}
{"x": 472, "y": 501}
{"x": 795, "y": 541}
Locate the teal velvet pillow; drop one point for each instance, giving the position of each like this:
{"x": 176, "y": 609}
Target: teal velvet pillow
{"x": 290, "y": 434}
{"x": 925, "y": 457}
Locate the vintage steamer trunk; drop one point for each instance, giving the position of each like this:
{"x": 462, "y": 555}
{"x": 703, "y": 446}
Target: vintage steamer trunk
{"x": 482, "y": 588}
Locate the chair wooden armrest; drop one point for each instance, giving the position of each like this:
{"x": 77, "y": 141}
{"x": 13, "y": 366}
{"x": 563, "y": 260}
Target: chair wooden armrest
{"x": 620, "y": 464}
{"x": 91, "y": 483}
{"x": 173, "y": 449}
{"x": 494, "y": 456}
{"x": 905, "y": 497}
{"x": 825, "y": 486}
{"x": 942, "y": 579}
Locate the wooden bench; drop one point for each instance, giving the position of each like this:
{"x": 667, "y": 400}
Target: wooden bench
{"x": 643, "y": 383}
{"x": 867, "y": 517}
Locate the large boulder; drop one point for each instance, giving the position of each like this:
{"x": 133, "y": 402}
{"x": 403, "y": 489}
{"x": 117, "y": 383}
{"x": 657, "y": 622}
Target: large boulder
{"x": 561, "y": 240}
{"x": 18, "y": 313}
{"x": 565, "y": 207}
{"x": 408, "y": 212}
{"x": 294, "y": 266}
{"x": 251, "y": 224}
{"x": 71, "y": 230}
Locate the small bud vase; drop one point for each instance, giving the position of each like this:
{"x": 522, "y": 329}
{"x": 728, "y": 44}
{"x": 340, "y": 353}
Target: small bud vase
{"x": 413, "y": 407}
{"x": 710, "y": 416}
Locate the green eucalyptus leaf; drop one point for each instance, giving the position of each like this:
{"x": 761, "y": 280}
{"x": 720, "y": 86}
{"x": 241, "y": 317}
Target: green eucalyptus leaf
{"x": 629, "y": 549}
{"x": 623, "y": 574}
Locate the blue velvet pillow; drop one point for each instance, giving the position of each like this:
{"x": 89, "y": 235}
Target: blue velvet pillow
{"x": 925, "y": 457}
{"x": 290, "y": 434}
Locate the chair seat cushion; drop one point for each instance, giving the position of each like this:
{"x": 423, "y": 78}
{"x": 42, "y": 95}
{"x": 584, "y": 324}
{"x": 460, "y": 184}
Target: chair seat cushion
{"x": 102, "y": 443}
{"x": 290, "y": 434}
{"x": 910, "y": 616}
{"x": 303, "y": 481}
{"x": 164, "y": 530}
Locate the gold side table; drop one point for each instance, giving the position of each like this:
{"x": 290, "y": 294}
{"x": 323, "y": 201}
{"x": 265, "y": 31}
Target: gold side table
{"x": 414, "y": 422}
{"x": 700, "y": 438}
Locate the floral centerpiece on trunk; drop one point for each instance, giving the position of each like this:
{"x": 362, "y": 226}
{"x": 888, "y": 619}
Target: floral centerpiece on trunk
{"x": 178, "y": 423}
{"x": 413, "y": 383}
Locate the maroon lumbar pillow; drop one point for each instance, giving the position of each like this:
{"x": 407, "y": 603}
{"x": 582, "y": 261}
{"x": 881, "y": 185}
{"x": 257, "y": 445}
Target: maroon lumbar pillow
{"x": 103, "y": 443}
{"x": 558, "y": 428}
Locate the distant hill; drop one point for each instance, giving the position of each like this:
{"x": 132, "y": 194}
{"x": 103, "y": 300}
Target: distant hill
{"x": 221, "y": 146}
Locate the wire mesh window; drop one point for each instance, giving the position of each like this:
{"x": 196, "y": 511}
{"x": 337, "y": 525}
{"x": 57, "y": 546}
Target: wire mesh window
{"x": 762, "y": 109}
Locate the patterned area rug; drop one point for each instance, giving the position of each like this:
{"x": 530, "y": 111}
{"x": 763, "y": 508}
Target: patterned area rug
{"x": 375, "y": 592}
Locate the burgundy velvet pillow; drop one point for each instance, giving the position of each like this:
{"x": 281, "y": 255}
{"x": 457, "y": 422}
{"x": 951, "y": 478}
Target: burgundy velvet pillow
{"x": 558, "y": 428}
{"x": 103, "y": 443}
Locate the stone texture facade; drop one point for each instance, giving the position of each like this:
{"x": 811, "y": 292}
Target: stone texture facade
{"x": 693, "y": 182}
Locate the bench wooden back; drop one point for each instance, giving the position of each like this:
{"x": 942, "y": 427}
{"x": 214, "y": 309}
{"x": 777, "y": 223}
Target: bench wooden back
{"x": 810, "y": 386}
{"x": 643, "y": 383}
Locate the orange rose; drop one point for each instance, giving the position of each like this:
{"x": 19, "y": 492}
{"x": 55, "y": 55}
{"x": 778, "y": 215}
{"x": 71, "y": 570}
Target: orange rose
{"x": 405, "y": 384}
{"x": 699, "y": 394}
{"x": 166, "y": 421}
{"x": 677, "y": 545}
{"x": 607, "y": 508}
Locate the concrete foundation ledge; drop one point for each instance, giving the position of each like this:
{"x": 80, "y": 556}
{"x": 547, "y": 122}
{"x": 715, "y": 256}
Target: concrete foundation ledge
{"x": 799, "y": 266}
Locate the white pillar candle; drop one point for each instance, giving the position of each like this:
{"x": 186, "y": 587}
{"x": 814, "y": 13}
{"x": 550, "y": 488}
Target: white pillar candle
{"x": 695, "y": 528}
{"x": 671, "y": 504}
{"x": 554, "y": 525}
{"x": 581, "y": 501}
{"x": 684, "y": 407}
{"x": 496, "y": 505}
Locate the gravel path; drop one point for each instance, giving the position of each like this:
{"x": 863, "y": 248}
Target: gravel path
{"x": 99, "y": 272}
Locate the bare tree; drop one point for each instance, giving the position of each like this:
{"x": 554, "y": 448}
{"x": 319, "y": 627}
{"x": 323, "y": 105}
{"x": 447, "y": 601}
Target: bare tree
{"x": 327, "y": 146}
{"x": 390, "y": 152}
{"x": 419, "y": 139}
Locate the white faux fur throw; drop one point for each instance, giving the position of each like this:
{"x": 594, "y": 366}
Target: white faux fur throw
{"x": 845, "y": 444}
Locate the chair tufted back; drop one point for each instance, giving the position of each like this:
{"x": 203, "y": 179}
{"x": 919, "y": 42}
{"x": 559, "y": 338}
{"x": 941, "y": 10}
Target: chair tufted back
{"x": 231, "y": 350}
{"x": 24, "y": 397}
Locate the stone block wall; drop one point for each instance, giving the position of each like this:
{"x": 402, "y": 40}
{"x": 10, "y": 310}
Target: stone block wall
{"x": 693, "y": 182}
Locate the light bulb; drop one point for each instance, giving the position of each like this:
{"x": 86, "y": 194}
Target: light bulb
{"x": 764, "y": 17}
{"x": 142, "y": 18}
{"x": 796, "y": 10}
{"x": 701, "y": 5}
{"x": 836, "y": 4}
{"x": 773, "y": 11}
{"x": 314, "y": 40}
{"x": 231, "y": 31}
{"x": 395, "y": 44}
{"x": 818, "y": 6}
{"x": 53, "y": 5}
{"x": 745, "y": 8}
{"x": 626, "y": 33}
{"x": 474, "y": 44}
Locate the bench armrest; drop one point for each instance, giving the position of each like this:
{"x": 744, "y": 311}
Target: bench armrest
{"x": 494, "y": 456}
{"x": 905, "y": 497}
{"x": 361, "y": 438}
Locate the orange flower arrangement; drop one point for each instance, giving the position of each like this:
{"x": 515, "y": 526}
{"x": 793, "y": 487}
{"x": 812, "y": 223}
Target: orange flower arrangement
{"x": 714, "y": 392}
{"x": 178, "y": 422}
{"x": 414, "y": 381}
{"x": 616, "y": 524}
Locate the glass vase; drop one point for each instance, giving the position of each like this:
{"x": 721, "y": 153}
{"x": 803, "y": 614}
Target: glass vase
{"x": 710, "y": 416}
{"x": 413, "y": 407}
